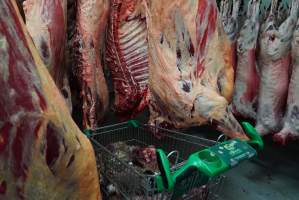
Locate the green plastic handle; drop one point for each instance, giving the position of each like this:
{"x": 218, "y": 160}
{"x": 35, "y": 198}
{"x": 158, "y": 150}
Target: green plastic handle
{"x": 205, "y": 161}
{"x": 255, "y": 139}
{"x": 165, "y": 181}
{"x": 211, "y": 161}
{"x": 134, "y": 123}
{"x": 87, "y": 132}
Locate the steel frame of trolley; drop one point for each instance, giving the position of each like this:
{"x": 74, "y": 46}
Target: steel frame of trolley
{"x": 189, "y": 167}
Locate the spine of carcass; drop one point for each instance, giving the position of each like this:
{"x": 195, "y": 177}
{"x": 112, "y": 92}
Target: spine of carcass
{"x": 127, "y": 56}
{"x": 91, "y": 18}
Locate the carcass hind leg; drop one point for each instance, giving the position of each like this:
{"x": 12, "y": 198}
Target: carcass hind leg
{"x": 282, "y": 136}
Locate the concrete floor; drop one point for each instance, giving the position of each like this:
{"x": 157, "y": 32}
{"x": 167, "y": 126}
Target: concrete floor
{"x": 273, "y": 175}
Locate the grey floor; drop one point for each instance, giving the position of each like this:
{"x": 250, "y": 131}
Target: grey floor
{"x": 273, "y": 175}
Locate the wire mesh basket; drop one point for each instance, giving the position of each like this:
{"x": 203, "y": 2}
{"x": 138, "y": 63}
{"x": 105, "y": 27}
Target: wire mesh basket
{"x": 131, "y": 183}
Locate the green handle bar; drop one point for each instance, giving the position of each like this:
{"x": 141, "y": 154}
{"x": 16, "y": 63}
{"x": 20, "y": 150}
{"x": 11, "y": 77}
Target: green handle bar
{"x": 211, "y": 161}
{"x": 134, "y": 123}
{"x": 255, "y": 139}
{"x": 87, "y": 132}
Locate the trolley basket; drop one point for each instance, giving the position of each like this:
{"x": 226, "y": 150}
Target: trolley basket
{"x": 189, "y": 167}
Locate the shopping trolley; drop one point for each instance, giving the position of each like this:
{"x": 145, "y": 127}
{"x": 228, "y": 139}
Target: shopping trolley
{"x": 189, "y": 167}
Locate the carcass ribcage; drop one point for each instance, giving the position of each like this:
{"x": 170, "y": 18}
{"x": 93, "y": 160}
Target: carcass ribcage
{"x": 127, "y": 59}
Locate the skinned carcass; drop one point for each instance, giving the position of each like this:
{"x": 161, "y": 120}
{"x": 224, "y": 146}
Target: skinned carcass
{"x": 191, "y": 71}
{"x": 43, "y": 154}
{"x": 247, "y": 79}
{"x": 291, "y": 122}
{"x": 91, "y": 18}
{"x": 273, "y": 61}
{"x": 229, "y": 14}
{"x": 127, "y": 57}
{"x": 46, "y": 23}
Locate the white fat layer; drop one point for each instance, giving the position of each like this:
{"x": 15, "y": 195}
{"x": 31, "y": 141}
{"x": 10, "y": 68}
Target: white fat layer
{"x": 293, "y": 101}
{"x": 248, "y": 35}
{"x": 37, "y": 25}
{"x": 86, "y": 8}
{"x": 4, "y": 61}
{"x": 291, "y": 125}
{"x": 247, "y": 41}
{"x": 275, "y": 44}
{"x": 179, "y": 94}
{"x": 272, "y": 94}
{"x": 244, "y": 108}
{"x": 21, "y": 65}
{"x": 15, "y": 118}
